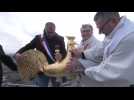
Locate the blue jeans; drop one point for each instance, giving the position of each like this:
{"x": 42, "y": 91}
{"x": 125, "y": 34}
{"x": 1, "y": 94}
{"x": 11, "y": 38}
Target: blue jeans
{"x": 43, "y": 81}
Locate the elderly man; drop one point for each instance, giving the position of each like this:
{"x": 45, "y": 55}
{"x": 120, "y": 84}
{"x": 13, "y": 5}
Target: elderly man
{"x": 116, "y": 67}
{"x": 88, "y": 42}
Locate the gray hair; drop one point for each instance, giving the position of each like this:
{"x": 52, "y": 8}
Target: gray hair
{"x": 87, "y": 27}
{"x": 106, "y": 15}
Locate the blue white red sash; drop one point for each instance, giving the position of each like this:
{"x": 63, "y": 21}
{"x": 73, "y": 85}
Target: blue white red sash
{"x": 46, "y": 47}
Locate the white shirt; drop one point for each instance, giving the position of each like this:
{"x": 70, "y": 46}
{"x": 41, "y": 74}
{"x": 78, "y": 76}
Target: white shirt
{"x": 89, "y": 44}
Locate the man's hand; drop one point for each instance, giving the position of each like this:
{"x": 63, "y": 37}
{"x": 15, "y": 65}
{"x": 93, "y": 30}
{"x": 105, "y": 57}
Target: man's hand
{"x": 72, "y": 65}
{"x": 77, "y": 52}
{"x": 18, "y": 56}
{"x": 58, "y": 56}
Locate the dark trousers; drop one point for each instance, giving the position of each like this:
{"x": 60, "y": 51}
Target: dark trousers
{"x": 54, "y": 82}
{"x": 43, "y": 81}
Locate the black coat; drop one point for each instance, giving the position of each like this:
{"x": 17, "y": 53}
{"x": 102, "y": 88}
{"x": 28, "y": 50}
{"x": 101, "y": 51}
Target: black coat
{"x": 7, "y": 60}
{"x": 53, "y": 43}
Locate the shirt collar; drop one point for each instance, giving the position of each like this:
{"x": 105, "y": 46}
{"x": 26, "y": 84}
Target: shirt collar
{"x": 119, "y": 25}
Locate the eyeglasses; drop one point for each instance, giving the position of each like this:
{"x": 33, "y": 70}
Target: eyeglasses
{"x": 104, "y": 25}
{"x": 85, "y": 30}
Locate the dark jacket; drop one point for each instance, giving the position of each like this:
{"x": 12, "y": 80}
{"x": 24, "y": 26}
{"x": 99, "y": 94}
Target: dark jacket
{"x": 56, "y": 42}
{"x": 7, "y": 60}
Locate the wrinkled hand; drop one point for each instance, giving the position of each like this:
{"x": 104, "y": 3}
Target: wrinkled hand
{"x": 77, "y": 52}
{"x": 18, "y": 57}
{"x": 72, "y": 65}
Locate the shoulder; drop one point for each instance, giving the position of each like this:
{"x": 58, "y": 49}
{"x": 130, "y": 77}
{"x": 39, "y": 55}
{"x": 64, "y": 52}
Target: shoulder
{"x": 37, "y": 37}
{"x": 129, "y": 39}
{"x": 95, "y": 39}
{"x": 94, "y": 42}
{"x": 127, "y": 43}
{"x": 59, "y": 37}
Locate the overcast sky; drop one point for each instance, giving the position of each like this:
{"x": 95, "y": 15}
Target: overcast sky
{"x": 18, "y": 28}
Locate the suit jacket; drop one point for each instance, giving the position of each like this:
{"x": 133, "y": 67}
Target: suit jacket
{"x": 56, "y": 42}
{"x": 7, "y": 60}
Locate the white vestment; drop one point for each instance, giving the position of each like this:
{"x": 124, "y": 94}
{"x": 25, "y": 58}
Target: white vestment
{"x": 89, "y": 44}
{"x": 117, "y": 67}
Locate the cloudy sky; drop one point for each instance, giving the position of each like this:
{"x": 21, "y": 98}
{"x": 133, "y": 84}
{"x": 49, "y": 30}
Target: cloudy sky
{"x": 18, "y": 28}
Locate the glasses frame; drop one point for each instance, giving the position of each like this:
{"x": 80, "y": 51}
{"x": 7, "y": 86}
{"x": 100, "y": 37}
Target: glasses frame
{"x": 103, "y": 26}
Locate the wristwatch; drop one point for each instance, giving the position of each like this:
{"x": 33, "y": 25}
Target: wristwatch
{"x": 83, "y": 56}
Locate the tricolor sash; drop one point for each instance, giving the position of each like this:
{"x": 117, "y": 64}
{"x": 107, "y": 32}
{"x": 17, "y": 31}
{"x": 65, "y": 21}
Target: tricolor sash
{"x": 46, "y": 47}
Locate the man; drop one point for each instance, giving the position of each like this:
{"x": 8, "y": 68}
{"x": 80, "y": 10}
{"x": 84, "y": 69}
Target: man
{"x": 88, "y": 42}
{"x": 116, "y": 67}
{"x": 7, "y": 61}
{"x": 47, "y": 43}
